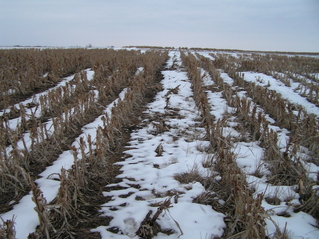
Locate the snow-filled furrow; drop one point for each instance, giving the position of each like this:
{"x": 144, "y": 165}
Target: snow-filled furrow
{"x": 205, "y": 54}
{"x": 304, "y": 78}
{"x": 286, "y": 92}
{"x": 26, "y": 140}
{"x": 305, "y": 87}
{"x": 35, "y": 98}
{"x": 250, "y": 159}
{"x": 167, "y": 144}
{"x": 66, "y": 159}
{"x": 26, "y": 218}
{"x": 282, "y": 133}
{"x": 36, "y": 111}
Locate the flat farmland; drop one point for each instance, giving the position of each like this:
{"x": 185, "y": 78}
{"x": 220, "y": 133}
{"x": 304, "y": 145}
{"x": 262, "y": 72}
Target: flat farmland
{"x": 145, "y": 142}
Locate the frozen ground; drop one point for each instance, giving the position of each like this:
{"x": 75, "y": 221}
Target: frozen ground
{"x": 169, "y": 142}
{"x": 286, "y": 92}
{"x": 153, "y": 175}
{"x": 250, "y": 158}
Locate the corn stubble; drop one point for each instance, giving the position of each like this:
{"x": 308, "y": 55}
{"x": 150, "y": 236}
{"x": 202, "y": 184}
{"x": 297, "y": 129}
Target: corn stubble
{"x": 94, "y": 169}
{"x": 69, "y": 111}
{"x": 245, "y": 216}
{"x": 80, "y": 101}
{"x": 70, "y": 107}
{"x": 285, "y": 166}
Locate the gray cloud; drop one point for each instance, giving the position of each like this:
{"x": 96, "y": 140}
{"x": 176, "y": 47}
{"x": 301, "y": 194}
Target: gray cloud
{"x": 287, "y": 25}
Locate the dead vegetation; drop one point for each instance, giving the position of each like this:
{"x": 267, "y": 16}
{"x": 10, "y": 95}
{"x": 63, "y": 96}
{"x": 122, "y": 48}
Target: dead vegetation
{"x": 73, "y": 205}
{"x": 77, "y": 108}
{"x": 285, "y": 165}
{"x": 245, "y": 216}
{"x": 69, "y": 107}
{"x": 7, "y": 229}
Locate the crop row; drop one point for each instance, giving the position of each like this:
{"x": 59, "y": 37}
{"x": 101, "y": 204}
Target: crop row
{"x": 27, "y": 154}
{"x": 34, "y": 133}
{"x": 244, "y": 213}
{"x": 285, "y": 165}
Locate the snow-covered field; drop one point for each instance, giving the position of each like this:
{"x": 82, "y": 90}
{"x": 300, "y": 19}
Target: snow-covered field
{"x": 169, "y": 145}
{"x": 153, "y": 173}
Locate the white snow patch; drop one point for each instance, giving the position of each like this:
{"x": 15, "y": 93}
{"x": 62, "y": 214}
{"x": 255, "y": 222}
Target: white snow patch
{"x": 278, "y": 86}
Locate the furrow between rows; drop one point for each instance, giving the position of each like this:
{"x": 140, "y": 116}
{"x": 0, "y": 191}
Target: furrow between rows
{"x": 162, "y": 173}
{"x": 280, "y": 169}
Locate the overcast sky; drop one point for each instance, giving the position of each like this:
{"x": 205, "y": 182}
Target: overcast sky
{"x": 285, "y": 25}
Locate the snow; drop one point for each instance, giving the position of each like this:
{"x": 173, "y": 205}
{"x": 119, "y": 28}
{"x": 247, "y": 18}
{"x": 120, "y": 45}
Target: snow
{"x": 206, "y": 54}
{"x": 249, "y": 155}
{"x": 226, "y": 78}
{"x": 148, "y": 178}
{"x": 155, "y": 174}
{"x": 35, "y": 98}
{"x": 25, "y": 217}
{"x": 24, "y": 210}
{"x": 286, "y": 92}
{"x": 298, "y": 225}
{"x": 25, "y": 142}
{"x": 196, "y": 224}
{"x": 249, "y": 158}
